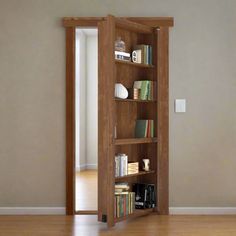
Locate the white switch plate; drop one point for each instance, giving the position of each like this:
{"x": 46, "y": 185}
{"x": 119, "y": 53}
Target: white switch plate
{"x": 180, "y": 105}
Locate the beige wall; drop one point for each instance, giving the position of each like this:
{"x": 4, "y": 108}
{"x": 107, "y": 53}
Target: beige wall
{"x": 32, "y": 102}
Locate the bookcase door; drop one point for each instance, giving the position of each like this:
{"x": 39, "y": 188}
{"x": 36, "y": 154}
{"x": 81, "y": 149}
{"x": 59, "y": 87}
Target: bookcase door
{"x": 107, "y": 117}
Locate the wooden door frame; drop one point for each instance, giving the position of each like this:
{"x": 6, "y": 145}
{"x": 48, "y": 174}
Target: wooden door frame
{"x": 70, "y": 24}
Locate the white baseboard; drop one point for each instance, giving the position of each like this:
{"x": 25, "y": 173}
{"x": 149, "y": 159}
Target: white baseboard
{"x": 87, "y": 167}
{"x": 91, "y": 166}
{"x": 202, "y": 210}
{"x": 32, "y": 210}
{"x": 81, "y": 167}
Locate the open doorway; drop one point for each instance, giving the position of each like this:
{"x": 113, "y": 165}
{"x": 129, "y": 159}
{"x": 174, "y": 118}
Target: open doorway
{"x": 86, "y": 120}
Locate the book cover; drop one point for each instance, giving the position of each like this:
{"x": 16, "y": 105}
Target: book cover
{"x": 140, "y": 128}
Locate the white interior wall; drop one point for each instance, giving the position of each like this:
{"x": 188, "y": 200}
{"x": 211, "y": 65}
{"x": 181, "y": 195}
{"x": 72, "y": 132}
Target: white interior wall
{"x": 80, "y": 102}
{"x": 92, "y": 101}
{"x": 86, "y": 100}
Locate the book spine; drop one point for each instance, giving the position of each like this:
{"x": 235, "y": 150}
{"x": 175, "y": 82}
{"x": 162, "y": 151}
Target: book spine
{"x": 127, "y": 204}
{"x": 116, "y": 166}
{"x": 115, "y": 207}
{"x": 152, "y": 128}
{"x": 149, "y": 90}
{"x": 146, "y": 54}
{"x": 151, "y": 55}
{"x": 125, "y": 165}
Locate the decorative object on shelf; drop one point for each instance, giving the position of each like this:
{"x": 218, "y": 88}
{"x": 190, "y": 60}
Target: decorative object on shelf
{"x": 144, "y": 195}
{"x": 115, "y": 131}
{"x": 125, "y": 56}
{"x": 146, "y": 164}
{"x": 133, "y": 168}
{"x": 137, "y": 56}
{"x": 121, "y": 91}
{"x": 119, "y": 45}
{"x": 146, "y": 53}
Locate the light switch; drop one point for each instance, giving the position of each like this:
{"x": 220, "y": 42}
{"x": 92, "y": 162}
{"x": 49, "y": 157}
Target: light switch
{"x": 180, "y": 105}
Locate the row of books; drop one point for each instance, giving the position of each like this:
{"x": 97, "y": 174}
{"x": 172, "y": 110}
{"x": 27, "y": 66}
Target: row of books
{"x": 121, "y": 164}
{"x": 147, "y": 89}
{"x": 124, "y": 204}
{"x": 122, "y": 167}
{"x": 145, "y": 55}
{"x": 124, "y": 200}
{"x": 144, "y": 129}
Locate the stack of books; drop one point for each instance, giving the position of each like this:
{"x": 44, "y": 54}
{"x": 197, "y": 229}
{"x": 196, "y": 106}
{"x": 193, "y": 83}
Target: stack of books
{"x": 147, "y": 89}
{"x": 125, "y": 56}
{"x": 144, "y": 129}
{"x": 146, "y": 53}
{"x": 121, "y": 188}
{"x": 133, "y": 168}
{"x": 121, "y": 164}
{"x": 124, "y": 200}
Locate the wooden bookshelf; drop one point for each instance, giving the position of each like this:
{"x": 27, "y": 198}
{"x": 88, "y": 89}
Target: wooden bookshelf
{"x": 136, "y": 213}
{"x": 129, "y": 63}
{"x": 134, "y": 175}
{"x": 122, "y": 114}
{"x": 127, "y": 141}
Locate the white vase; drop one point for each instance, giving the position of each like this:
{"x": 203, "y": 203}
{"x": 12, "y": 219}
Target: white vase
{"x": 121, "y": 91}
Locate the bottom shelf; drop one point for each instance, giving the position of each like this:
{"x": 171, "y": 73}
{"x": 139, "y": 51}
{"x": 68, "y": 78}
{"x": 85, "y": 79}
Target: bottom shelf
{"x": 136, "y": 213}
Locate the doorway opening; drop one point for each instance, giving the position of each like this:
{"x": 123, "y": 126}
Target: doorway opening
{"x": 86, "y": 120}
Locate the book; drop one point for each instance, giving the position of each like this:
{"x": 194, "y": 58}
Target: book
{"x": 144, "y": 129}
{"x": 140, "y": 128}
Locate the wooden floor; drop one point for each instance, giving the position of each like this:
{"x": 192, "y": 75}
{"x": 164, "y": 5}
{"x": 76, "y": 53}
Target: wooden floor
{"x": 86, "y": 190}
{"x": 144, "y": 226}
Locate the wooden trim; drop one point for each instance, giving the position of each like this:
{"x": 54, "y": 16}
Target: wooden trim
{"x": 93, "y": 21}
{"x": 132, "y": 26}
{"x": 80, "y": 212}
{"x": 163, "y": 120}
{"x": 153, "y": 21}
{"x": 70, "y": 120}
{"x": 81, "y": 21}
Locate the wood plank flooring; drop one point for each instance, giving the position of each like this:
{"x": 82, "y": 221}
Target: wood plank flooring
{"x": 86, "y": 190}
{"x": 152, "y": 225}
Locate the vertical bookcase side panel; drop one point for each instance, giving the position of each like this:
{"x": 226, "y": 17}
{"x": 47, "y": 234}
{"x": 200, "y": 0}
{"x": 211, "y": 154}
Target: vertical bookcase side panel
{"x": 102, "y": 127}
{"x": 106, "y": 178}
{"x": 163, "y": 120}
{"x": 110, "y": 29}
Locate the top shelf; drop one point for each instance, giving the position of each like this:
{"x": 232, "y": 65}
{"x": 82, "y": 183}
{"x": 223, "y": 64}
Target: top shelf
{"x": 133, "y": 26}
{"x": 134, "y": 64}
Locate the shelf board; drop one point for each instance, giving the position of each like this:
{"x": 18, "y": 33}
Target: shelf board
{"x": 133, "y": 100}
{"x": 134, "y": 141}
{"x": 134, "y": 64}
{"x": 137, "y": 174}
{"x": 136, "y": 213}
